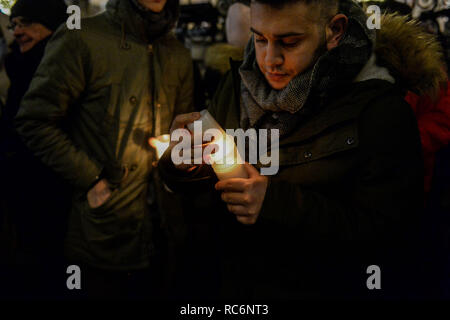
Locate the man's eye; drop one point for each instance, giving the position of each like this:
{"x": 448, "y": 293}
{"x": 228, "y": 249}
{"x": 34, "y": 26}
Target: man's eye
{"x": 291, "y": 44}
{"x": 260, "y": 40}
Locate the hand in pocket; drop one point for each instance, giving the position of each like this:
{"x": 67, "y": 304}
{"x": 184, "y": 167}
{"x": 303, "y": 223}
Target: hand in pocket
{"x": 99, "y": 194}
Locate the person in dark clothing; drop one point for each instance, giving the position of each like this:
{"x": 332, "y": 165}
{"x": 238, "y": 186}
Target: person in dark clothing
{"x": 35, "y": 199}
{"x": 20, "y": 68}
{"x": 32, "y": 23}
{"x": 349, "y": 190}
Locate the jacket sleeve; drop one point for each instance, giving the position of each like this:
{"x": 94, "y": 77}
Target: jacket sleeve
{"x": 386, "y": 194}
{"x": 57, "y": 86}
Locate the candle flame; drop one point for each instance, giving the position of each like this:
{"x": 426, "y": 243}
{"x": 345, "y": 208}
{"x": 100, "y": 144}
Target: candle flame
{"x": 160, "y": 144}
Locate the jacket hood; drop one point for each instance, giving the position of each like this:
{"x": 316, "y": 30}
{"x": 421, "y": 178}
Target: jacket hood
{"x": 134, "y": 23}
{"x": 412, "y": 56}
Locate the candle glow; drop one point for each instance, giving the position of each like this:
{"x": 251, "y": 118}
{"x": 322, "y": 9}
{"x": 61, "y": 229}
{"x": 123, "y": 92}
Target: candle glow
{"x": 227, "y": 162}
{"x": 160, "y": 144}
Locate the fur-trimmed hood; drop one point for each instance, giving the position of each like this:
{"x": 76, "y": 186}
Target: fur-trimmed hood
{"x": 413, "y": 57}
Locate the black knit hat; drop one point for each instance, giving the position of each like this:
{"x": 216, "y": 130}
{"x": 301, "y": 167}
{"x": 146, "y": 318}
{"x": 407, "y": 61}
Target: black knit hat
{"x": 50, "y": 13}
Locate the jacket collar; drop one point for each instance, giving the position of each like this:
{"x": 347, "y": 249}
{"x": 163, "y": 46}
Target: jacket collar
{"x": 345, "y": 105}
{"x": 123, "y": 14}
{"x": 372, "y": 71}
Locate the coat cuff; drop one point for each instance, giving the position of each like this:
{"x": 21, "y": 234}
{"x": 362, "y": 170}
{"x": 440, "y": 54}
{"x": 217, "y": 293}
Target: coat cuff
{"x": 89, "y": 177}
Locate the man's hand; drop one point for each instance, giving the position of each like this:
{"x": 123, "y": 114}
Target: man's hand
{"x": 99, "y": 194}
{"x": 244, "y": 197}
{"x": 182, "y": 120}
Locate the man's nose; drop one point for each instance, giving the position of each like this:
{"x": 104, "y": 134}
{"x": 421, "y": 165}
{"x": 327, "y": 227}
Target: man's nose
{"x": 18, "y": 31}
{"x": 274, "y": 56}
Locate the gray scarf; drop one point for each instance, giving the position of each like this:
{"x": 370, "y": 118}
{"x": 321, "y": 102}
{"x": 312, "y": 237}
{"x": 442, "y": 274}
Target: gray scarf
{"x": 264, "y": 107}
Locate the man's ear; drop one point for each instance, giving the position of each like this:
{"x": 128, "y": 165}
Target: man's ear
{"x": 335, "y": 30}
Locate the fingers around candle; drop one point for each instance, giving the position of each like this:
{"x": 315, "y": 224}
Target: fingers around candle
{"x": 251, "y": 170}
{"x": 232, "y": 185}
{"x": 238, "y": 210}
{"x": 183, "y": 119}
{"x": 236, "y": 198}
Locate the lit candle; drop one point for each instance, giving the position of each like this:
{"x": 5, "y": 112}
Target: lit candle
{"x": 160, "y": 144}
{"x": 230, "y": 164}
{"x": 226, "y": 161}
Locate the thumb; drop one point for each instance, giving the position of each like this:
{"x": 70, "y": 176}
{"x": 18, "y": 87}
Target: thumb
{"x": 251, "y": 170}
{"x": 183, "y": 119}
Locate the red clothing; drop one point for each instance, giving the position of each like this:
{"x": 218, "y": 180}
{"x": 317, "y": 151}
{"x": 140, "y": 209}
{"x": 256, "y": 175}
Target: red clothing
{"x": 434, "y": 125}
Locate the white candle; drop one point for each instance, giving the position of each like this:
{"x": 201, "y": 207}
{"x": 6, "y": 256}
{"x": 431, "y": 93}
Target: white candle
{"x": 231, "y": 165}
{"x": 226, "y": 161}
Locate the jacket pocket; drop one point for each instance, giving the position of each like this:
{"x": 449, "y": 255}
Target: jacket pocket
{"x": 104, "y": 209}
{"x": 114, "y": 237}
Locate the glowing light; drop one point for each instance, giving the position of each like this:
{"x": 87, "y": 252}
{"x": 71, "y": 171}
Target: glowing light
{"x": 160, "y": 144}
{"x": 226, "y": 161}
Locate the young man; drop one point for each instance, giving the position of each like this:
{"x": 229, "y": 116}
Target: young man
{"x": 348, "y": 192}
{"x": 99, "y": 94}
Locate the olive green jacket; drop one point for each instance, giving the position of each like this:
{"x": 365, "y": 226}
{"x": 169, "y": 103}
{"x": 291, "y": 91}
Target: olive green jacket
{"x": 75, "y": 115}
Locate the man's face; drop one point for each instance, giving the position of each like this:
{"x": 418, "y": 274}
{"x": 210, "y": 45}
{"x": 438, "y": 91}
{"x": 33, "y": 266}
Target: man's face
{"x": 28, "y": 34}
{"x": 287, "y": 40}
{"x": 153, "y": 5}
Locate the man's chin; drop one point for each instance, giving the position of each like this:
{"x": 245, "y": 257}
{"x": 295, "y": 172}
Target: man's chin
{"x": 155, "y": 7}
{"x": 26, "y": 46}
{"x": 277, "y": 85}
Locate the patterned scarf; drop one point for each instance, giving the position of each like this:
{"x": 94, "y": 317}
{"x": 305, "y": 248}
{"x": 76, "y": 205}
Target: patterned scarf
{"x": 264, "y": 107}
